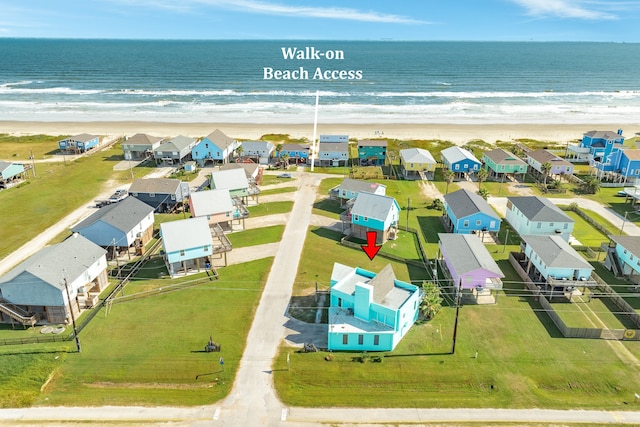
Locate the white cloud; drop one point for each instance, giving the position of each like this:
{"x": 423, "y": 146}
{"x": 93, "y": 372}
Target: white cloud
{"x": 577, "y": 9}
{"x": 281, "y": 9}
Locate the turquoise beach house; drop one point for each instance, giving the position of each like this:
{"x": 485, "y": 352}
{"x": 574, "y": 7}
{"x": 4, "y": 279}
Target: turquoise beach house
{"x": 187, "y": 244}
{"x": 368, "y": 311}
{"x": 372, "y": 152}
{"x": 215, "y": 147}
{"x": 10, "y": 171}
{"x": 297, "y": 153}
{"x": 627, "y": 251}
{"x": 374, "y": 212}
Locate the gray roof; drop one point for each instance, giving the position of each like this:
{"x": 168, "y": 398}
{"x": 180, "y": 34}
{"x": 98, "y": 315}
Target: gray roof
{"x": 178, "y": 143}
{"x": 467, "y": 253}
{"x": 257, "y": 146}
{"x": 372, "y": 143}
{"x": 52, "y": 264}
{"x": 250, "y": 169}
{"x": 501, "y": 156}
{"x": 455, "y": 154}
{"x": 417, "y": 155}
{"x": 464, "y": 203}
{"x": 155, "y": 185}
{"x": 185, "y": 234}
{"x": 536, "y": 208}
{"x": 359, "y": 185}
{"x": 339, "y": 147}
{"x": 4, "y": 165}
{"x": 372, "y": 206}
{"x": 143, "y": 139}
{"x": 603, "y": 134}
{"x": 124, "y": 215}
{"x": 220, "y": 139}
{"x": 554, "y": 251}
{"x": 630, "y": 243}
{"x": 83, "y": 137}
{"x": 211, "y": 202}
{"x": 231, "y": 179}
{"x": 542, "y": 156}
{"x": 294, "y": 147}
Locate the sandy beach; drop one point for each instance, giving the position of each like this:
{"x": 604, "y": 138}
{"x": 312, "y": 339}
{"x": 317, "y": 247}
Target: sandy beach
{"x": 456, "y": 133}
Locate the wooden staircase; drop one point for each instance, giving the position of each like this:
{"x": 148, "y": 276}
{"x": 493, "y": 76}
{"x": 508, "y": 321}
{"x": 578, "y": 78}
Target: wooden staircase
{"x": 18, "y": 314}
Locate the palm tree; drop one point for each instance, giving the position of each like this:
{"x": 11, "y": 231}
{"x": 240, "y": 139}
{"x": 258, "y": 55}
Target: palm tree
{"x": 285, "y": 160}
{"x": 591, "y": 184}
{"x": 448, "y": 177}
{"x": 546, "y": 168}
{"x": 239, "y": 151}
{"x": 431, "y": 303}
{"x": 482, "y": 176}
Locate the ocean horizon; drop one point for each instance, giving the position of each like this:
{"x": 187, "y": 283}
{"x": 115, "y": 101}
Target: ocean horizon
{"x": 276, "y": 81}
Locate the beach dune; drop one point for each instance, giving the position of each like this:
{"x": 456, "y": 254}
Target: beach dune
{"x": 456, "y": 133}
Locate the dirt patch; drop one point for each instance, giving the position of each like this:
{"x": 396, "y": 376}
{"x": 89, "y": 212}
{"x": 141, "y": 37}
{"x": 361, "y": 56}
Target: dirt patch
{"x": 429, "y": 190}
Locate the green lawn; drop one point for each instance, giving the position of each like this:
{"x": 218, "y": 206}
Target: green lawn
{"x": 147, "y": 351}
{"x": 19, "y": 148}
{"x": 258, "y": 236}
{"x": 522, "y": 363}
{"x": 278, "y": 190}
{"x": 585, "y": 233}
{"x": 270, "y": 208}
{"x": 55, "y": 192}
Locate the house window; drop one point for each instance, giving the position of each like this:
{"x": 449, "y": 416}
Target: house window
{"x": 355, "y": 217}
{"x": 152, "y": 194}
{"x": 457, "y": 167}
{"x": 206, "y": 145}
{"x": 134, "y": 194}
{"x": 181, "y": 252}
{"x": 411, "y": 165}
{"x": 360, "y": 339}
{"x": 173, "y": 197}
{"x": 376, "y": 340}
{"x": 339, "y": 302}
{"x": 205, "y": 248}
{"x": 625, "y": 251}
{"x": 345, "y": 339}
{"x": 539, "y": 225}
{"x": 566, "y": 226}
{"x": 466, "y": 223}
{"x": 218, "y": 153}
{"x": 478, "y": 222}
{"x": 550, "y": 224}
{"x": 366, "y": 218}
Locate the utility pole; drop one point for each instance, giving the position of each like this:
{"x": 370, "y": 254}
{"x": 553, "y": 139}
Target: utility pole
{"x": 623, "y": 222}
{"x": 73, "y": 316}
{"x": 315, "y": 127}
{"x": 455, "y": 325}
{"x": 408, "y": 209}
{"x": 506, "y": 239}
{"x": 33, "y": 164}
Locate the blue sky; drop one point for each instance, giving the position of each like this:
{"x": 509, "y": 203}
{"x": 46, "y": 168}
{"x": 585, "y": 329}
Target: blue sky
{"x": 504, "y": 20}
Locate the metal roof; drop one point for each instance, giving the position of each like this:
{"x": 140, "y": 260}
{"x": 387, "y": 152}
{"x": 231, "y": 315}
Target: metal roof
{"x": 338, "y": 147}
{"x": 211, "y": 202}
{"x": 466, "y": 253}
{"x": 359, "y": 185}
{"x": 373, "y": 206}
{"x": 185, "y": 234}
{"x": 178, "y": 143}
{"x": 372, "y": 143}
{"x": 455, "y": 154}
{"x": 417, "y": 155}
{"x": 230, "y": 179}
{"x": 155, "y": 185}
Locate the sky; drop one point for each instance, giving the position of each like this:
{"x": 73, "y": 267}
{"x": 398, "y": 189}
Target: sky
{"x": 475, "y": 20}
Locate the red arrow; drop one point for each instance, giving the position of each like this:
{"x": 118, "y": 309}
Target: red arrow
{"x": 370, "y": 248}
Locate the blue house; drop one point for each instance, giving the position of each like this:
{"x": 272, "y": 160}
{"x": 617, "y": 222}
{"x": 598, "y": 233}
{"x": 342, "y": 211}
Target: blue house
{"x": 602, "y": 143}
{"x": 215, "y": 147}
{"x": 334, "y": 138}
{"x": 163, "y": 194}
{"x": 368, "y": 311}
{"x": 9, "y": 172}
{"x": 459, "y": 160}
{"x": 627, "y": 252}
{"x": 187, "y": 244}
{"x": 333, "y": 154}
{"x": 79, "y": 143}
{"x": 466, "y": 212}
{"x": 125, "y": 224}
{"x": 374, "y": 212}
{"x": 372, "y": 152}
{"x": 350, "y": 188}
{"x": 297, "y": 153}
{"x": 553, "y": 263}
{"x": 621, "y": 165}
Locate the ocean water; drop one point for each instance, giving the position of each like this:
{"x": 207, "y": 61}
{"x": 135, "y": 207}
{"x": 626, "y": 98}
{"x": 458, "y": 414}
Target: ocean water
{"x": 357, "y": 82}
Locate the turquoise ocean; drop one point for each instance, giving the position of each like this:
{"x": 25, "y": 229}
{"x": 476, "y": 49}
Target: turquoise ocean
{"x": 357, "y": 81}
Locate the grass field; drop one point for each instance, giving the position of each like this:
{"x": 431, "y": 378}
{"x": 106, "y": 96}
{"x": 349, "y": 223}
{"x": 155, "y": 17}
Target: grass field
{"x": 258, "y": 236}
{"x": 270, "y": 208}
{"x": 19, "y": 148}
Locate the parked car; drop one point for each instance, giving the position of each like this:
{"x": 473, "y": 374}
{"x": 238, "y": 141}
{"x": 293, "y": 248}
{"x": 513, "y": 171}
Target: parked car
{"x": 118, "y": 196}
{"x": 284, "y": 175}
